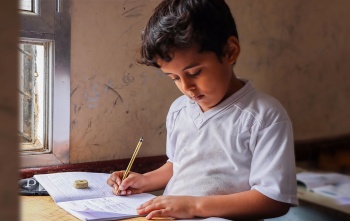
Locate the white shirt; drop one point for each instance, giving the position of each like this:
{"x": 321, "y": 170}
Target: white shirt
{"x": 243, "y": 143}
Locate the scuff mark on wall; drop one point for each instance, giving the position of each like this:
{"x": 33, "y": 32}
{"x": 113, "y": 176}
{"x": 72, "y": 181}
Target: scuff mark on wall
{"x": 134, "y": 11}
{"x": 90, "y": 123}
{"x": 133, "y": 8}
{"x": 77, "y": 108}
{"x": 144, "y": 78}
{"x": 128, "y": 78}
{"x": 74, "y": 90}
{"x": 161, "y": 129}
{"x": 73, "y": 123}
{"x": 137, "y": 118}
{"x": 119, "y": 98}
{"x": 130, "y": 28}
{"x": 92, "y": 92}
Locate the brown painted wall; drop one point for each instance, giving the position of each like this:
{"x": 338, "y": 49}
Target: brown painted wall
{"x": 296, "y": 51}
{"x": 114, "y": 100}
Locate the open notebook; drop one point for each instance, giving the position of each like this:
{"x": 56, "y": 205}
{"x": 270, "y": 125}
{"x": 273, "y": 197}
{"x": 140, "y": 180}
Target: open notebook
{"x": 96, "y": 202}
{"x": 333, "y": 185}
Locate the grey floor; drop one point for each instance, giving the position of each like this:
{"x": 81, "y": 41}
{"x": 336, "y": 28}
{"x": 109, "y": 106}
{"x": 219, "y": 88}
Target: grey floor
{"x": 302, "y": 213}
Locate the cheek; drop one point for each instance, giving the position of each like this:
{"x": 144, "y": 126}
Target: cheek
{"x": 179, "y": 86}
{"x": 216, "y": 85}
{"x": 209, "y": 83}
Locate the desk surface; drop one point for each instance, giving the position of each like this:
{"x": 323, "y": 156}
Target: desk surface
{"x": 321, "y": 201}
{"x": 43, "y": 208}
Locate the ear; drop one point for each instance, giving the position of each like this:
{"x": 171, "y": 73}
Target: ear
{"x": 232, "y": 49}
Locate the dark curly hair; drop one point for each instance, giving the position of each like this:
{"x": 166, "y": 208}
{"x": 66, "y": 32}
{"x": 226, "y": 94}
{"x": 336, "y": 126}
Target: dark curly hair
{"x": 206, "y": 24}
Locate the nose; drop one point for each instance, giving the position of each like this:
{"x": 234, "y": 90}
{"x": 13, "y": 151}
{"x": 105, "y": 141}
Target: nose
{"x": 187, "y": 84}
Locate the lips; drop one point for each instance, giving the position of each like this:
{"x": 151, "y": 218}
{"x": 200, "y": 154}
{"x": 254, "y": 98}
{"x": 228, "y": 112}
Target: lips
{"x": 197, "y": 98}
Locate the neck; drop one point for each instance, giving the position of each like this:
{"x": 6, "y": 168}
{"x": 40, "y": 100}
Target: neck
{"x": 235, "y": 86}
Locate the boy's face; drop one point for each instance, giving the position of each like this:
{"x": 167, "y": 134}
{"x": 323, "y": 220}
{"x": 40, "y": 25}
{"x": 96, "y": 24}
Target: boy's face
{"x": 201, "y": 76}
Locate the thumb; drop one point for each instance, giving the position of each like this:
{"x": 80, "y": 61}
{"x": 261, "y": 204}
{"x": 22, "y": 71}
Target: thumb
{"x": 126, "y": 183}
{"x": 131, "y": 185}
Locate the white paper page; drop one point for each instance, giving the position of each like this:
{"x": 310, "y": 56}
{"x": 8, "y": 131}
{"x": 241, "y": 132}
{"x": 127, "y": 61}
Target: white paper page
{"x": 314, "y": 180}
{"x": 339, "y": 192}
{"x": 343, "y": 201}
{"x": 108, "y": 207}
{"x": 90, "y": 216}
{"x": 60, "y": 186}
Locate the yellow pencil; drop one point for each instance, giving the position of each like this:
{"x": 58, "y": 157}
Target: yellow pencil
{"x": 126, "y": 173}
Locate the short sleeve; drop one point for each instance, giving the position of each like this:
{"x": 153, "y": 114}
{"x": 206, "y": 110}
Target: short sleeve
{"x": 173, "y": 112}
{"x": 273, "y": 163}
{"x": 169, "y": 145}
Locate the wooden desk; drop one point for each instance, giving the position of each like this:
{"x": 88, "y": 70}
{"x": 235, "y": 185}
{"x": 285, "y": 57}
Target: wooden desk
{"x": 43, "y": 208}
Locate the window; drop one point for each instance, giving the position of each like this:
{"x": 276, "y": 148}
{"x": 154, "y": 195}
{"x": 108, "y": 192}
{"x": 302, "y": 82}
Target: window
{"x": 44, "y": 82}
{"x": 33, "y": 81}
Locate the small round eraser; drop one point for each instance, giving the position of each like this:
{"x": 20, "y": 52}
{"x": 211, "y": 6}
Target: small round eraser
{"x": 81, "y": 184}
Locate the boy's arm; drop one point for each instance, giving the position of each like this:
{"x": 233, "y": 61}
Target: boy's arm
{"x": 244, "y": 205}
{"x": 159, "y": 178}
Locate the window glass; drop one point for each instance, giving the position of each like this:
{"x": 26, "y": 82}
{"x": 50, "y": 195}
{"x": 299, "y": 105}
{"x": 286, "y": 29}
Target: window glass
{"x": 33, "y": 71}
{"x": 25, "y": 5}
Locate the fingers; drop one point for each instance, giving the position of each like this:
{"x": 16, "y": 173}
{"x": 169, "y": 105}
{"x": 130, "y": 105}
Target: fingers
{"x": 114, "y": 181}
{"x": 115, "y": 178}
{"x": 121, "y": 192}
{"x": 127, "y": 182}
{"x": 127, "y": 186}
{"x": 151, "y": 207}
{"x": 153, "y": 210}
{"x": 157, "y": 213}
{"x": 141, "y": 209}
{"x": 168, "y": 206}
{"x": 118, "y": 177}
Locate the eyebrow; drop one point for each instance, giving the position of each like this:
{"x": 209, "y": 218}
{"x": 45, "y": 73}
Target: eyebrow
{"x": 187, "y": 67}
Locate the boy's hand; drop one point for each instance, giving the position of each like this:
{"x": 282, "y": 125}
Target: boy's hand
{"x": 181, "y": 207}
{"x": 133, "y": 184}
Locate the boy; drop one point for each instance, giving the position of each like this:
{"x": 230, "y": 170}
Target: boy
{"x": 230, "y": 148}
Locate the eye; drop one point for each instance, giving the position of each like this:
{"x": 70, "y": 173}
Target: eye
{"x": 175, "y": 78}
{"x": 196, "y": 73}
